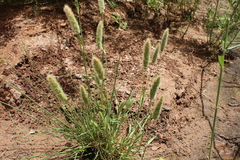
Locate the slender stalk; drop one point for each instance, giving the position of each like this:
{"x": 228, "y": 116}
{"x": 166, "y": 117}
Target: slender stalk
{"x": 213, "y": 20}
{"x": 115, "y": 82}
{"x": 81, "y": 43}
{"x": 189, "y": 23}
{"x": 230, "y": 27}
{"x": 215, "y": 114}
{"x": 221, "y": 62}
{"x": 83, "y": 53}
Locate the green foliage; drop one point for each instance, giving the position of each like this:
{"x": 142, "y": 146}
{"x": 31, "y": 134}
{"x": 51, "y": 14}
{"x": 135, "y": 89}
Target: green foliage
{"x": 124, "y": 25}
{"x": 100, "y": 124}
{"x": 112, "y": 3}
{"x": 221, "y": 60}
{"x": 155, "y": 4}
{"x": 118, "y": 19}
{"x": 216, "y": 24}
{"x": 188, "y": 8}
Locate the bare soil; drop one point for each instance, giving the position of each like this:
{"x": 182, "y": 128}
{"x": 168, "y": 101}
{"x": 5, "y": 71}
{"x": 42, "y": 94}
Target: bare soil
{"x": 189, "y": 77}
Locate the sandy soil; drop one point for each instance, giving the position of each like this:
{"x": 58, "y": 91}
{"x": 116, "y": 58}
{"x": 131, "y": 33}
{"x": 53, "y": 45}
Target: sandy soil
{"x": 189, "y": 78}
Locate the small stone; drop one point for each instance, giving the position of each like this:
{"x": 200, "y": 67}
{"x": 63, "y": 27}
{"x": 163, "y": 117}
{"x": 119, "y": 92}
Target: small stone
{"x": 154, "y": 148}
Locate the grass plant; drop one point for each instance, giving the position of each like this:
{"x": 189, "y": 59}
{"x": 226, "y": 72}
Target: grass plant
{"x": 118, "y": 19}
{"x": 112, "y": 3}
{"x": 216, "y": 24}
{"x": 227, "y": 35}
{"x": 221, "y": 60}
{"x": 96, "y": 126}
{"x": 188, "y": 8}
{"x": 155, "y": 4}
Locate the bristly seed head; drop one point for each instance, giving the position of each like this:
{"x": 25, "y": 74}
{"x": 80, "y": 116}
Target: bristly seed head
{"x": 84, "y": 95}
{"x": 56, "y": 88}
{"x": 164, "y": 39}
{"x": 158, "y": 109}
{"x": 98, "y": 67}
{"x": 99, "y": 35}
{"x": 146, "y": 52}
{"x": 101, "y": 6}
{"x": 154, "y": 87}
{"x": 155, "y": 55}
{"x": 71, "y": 18}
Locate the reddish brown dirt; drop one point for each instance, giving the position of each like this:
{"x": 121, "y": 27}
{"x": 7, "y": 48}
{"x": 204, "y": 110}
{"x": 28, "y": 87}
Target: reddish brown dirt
{"x": 189, "y": 78}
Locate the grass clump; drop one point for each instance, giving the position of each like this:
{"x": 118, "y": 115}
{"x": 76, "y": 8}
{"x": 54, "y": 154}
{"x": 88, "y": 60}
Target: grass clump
{"x": 92, "y": 126}
{"x": 98, "y": 124}
{"x": 122, "y": 25}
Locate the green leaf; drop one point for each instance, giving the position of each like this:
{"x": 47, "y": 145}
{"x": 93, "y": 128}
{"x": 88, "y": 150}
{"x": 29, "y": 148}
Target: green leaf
{"x": 221, "y": 60}
{"x": 129, "y": 103}
{"x": 150, "y": 140}
{"x": 120, "y": 107}
{"x": 229, "y": 48}
{"x": 1, "y": 59}
{"x": 142, "y": 96}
